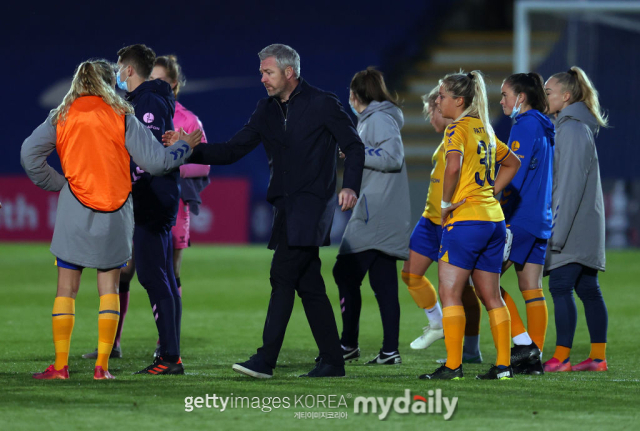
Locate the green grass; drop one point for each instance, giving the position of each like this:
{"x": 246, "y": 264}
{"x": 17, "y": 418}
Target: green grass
{"x": 226, "y": 291}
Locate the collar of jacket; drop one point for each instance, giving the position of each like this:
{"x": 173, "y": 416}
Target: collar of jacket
{"x": 301, "y": 86}
{"x": 158, "y": 86}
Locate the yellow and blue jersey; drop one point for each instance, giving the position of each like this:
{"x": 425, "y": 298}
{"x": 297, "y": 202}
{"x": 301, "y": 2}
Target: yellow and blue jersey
{"x": 468, "y": 137}
{"x": 434, "y": 196}
{"x": 526, "y": 201}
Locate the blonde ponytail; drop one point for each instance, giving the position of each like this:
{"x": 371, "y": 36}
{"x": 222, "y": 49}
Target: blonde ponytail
{"x": 580, "y": 88}
{"x": 480, "y": 105}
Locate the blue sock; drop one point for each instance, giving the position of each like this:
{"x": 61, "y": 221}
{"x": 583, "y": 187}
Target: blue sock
{"x": 471, "y": 347}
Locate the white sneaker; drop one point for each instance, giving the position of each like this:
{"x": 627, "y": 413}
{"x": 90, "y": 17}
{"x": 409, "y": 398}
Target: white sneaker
{"x": 429, "y": 336}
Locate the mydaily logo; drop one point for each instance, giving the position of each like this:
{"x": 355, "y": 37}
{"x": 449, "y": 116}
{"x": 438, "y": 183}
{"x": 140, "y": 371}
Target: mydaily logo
{"x": 433, "y": 404}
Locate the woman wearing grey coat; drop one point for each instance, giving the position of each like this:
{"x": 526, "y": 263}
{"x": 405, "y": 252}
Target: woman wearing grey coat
{"x": 576, "y": 247}
{"x": 95, "y": 137}
{"x": 377, "y": 234}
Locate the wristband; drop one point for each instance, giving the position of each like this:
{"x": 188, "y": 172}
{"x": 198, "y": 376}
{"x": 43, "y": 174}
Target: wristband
{"x": 444, "y": 204}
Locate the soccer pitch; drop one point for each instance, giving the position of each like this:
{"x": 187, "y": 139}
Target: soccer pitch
{"x": 226, "y": 292}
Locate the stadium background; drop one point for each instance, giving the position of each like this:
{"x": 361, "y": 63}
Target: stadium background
{"x": 413, "y": 42}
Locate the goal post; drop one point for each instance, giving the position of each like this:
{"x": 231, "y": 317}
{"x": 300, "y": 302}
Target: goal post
{"x": 594, "y": 9}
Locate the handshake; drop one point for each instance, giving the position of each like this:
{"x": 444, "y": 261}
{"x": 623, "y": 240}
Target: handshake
{"x": 170, "y": 137}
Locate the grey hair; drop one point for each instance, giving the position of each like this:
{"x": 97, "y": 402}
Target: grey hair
{"x": 285, "y": 56}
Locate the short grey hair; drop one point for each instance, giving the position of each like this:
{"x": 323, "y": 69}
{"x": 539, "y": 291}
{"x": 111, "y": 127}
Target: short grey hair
{"x": 285, "y": 56}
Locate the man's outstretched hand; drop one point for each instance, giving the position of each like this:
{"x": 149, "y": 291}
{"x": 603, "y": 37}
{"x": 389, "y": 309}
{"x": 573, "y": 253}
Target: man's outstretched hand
{"x": 347, "y": 199}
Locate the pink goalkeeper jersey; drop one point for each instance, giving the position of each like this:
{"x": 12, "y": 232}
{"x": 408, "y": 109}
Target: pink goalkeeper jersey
{"x": 190, "y": 122}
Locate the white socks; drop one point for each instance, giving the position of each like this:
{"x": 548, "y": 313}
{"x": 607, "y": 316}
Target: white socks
{"x": 522, "y": 339}
{"x": 434, "y": 314}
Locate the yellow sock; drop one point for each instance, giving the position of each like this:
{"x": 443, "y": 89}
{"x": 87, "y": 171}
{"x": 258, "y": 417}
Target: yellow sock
{"x": 500, "y": 323}
{"x": 598, "y": 351}
{"x": 517, "y": 327}
{"x": 562, "y": 353}
{"x": 62, "y": 318}
{"x": 107, "y": 325}
{"x": 537, "y": 316}
{"x": 472, "y": 311}
{"x": 453, "y": 323}
{"x": 421, "y": 289}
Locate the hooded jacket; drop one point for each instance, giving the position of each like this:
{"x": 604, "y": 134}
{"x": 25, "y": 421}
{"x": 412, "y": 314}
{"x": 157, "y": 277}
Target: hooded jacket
{"x": 155, "y": 199}
{"x": 526, "y": 201}
{"x": 382, "y": 216}
{"x": 578, "y": 233}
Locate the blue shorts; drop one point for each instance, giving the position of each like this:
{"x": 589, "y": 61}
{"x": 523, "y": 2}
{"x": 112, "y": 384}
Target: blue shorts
{"x": 68, "y": 265}
{"x": 474, "y": 245}
{"x": 526, "y": 247}
{"x": 425, "y": 238}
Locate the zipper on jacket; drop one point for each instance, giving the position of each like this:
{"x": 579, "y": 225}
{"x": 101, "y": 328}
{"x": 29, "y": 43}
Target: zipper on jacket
{"x": 282, "y": 110}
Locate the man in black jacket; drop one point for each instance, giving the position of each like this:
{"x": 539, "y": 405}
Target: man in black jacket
{"x": 300, "y": 127}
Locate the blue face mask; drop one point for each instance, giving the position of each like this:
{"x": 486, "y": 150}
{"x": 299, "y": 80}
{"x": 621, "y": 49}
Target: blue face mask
{"x": 515, "y": 111}
{"x": 354, "y": 110}
{"x": 122, "y": 85}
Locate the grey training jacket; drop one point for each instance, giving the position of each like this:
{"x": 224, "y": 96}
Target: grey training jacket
{"x": 381, "y": 218}
{"x": 578, "y": 232}
{"x": 82, "y": 236}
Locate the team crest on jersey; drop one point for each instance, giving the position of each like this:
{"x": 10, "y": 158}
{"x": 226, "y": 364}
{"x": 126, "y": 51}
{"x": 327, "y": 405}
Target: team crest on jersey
{"x": 515, "y": 146}
{"x": 148, "y": 117}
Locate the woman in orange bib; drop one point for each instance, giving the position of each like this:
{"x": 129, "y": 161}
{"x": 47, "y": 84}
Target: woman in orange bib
{"x": 95, "y": 136}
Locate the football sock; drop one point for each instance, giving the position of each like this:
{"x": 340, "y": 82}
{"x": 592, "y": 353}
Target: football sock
{"x": 453, "y": 322}
{"x": 517, "y": 327}
{"x": 108, "y": 318}
{"x": 472, "y": 311}
{"x": 537, "y": 316}
{"x": 471, "y": 347}
{"x": 62, "y": 319}
{"x": 562, "y": 353}
{"x": 124, "y": 307}
{"x": 424, "y": 295}
{"x": 434, "y": 314}
{"x": 501, "y": 330}
{"x": 522, "y": 339}
{"x": 598, "y": 351}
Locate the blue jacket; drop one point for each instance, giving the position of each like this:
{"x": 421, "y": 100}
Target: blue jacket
{"x": 302, "y": 149}
{"x": 155, "y": 199}
{"x": 526, "y": 201}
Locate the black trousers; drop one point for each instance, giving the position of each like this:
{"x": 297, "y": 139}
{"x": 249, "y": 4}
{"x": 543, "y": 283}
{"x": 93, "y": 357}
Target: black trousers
{"x": 349, "y": 272}
{"x": 297, "y": 269}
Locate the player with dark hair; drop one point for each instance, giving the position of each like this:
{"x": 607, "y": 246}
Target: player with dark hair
{"x": 155, "y": 203}
{"x": 526, "y": 203}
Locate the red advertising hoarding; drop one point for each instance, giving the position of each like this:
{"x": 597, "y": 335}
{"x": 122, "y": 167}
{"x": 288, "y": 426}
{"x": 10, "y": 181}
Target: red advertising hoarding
{"x": 28, "y": 213}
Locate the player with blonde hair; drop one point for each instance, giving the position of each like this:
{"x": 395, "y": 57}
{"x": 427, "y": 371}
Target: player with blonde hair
{"x": 576, "y": 247}
{"x": 96, "y": 136}
{"x": 474, "y": 231}
{"x": 424, "y": 246}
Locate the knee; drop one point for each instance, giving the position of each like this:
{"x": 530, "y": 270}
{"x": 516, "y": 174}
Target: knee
{"x": 589, "y": 290}
{"x": 339, "y": 273}
{"x": 559, "y": 287}
{"x": 345, "y": 276}
{"x": 406, "y": 278}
